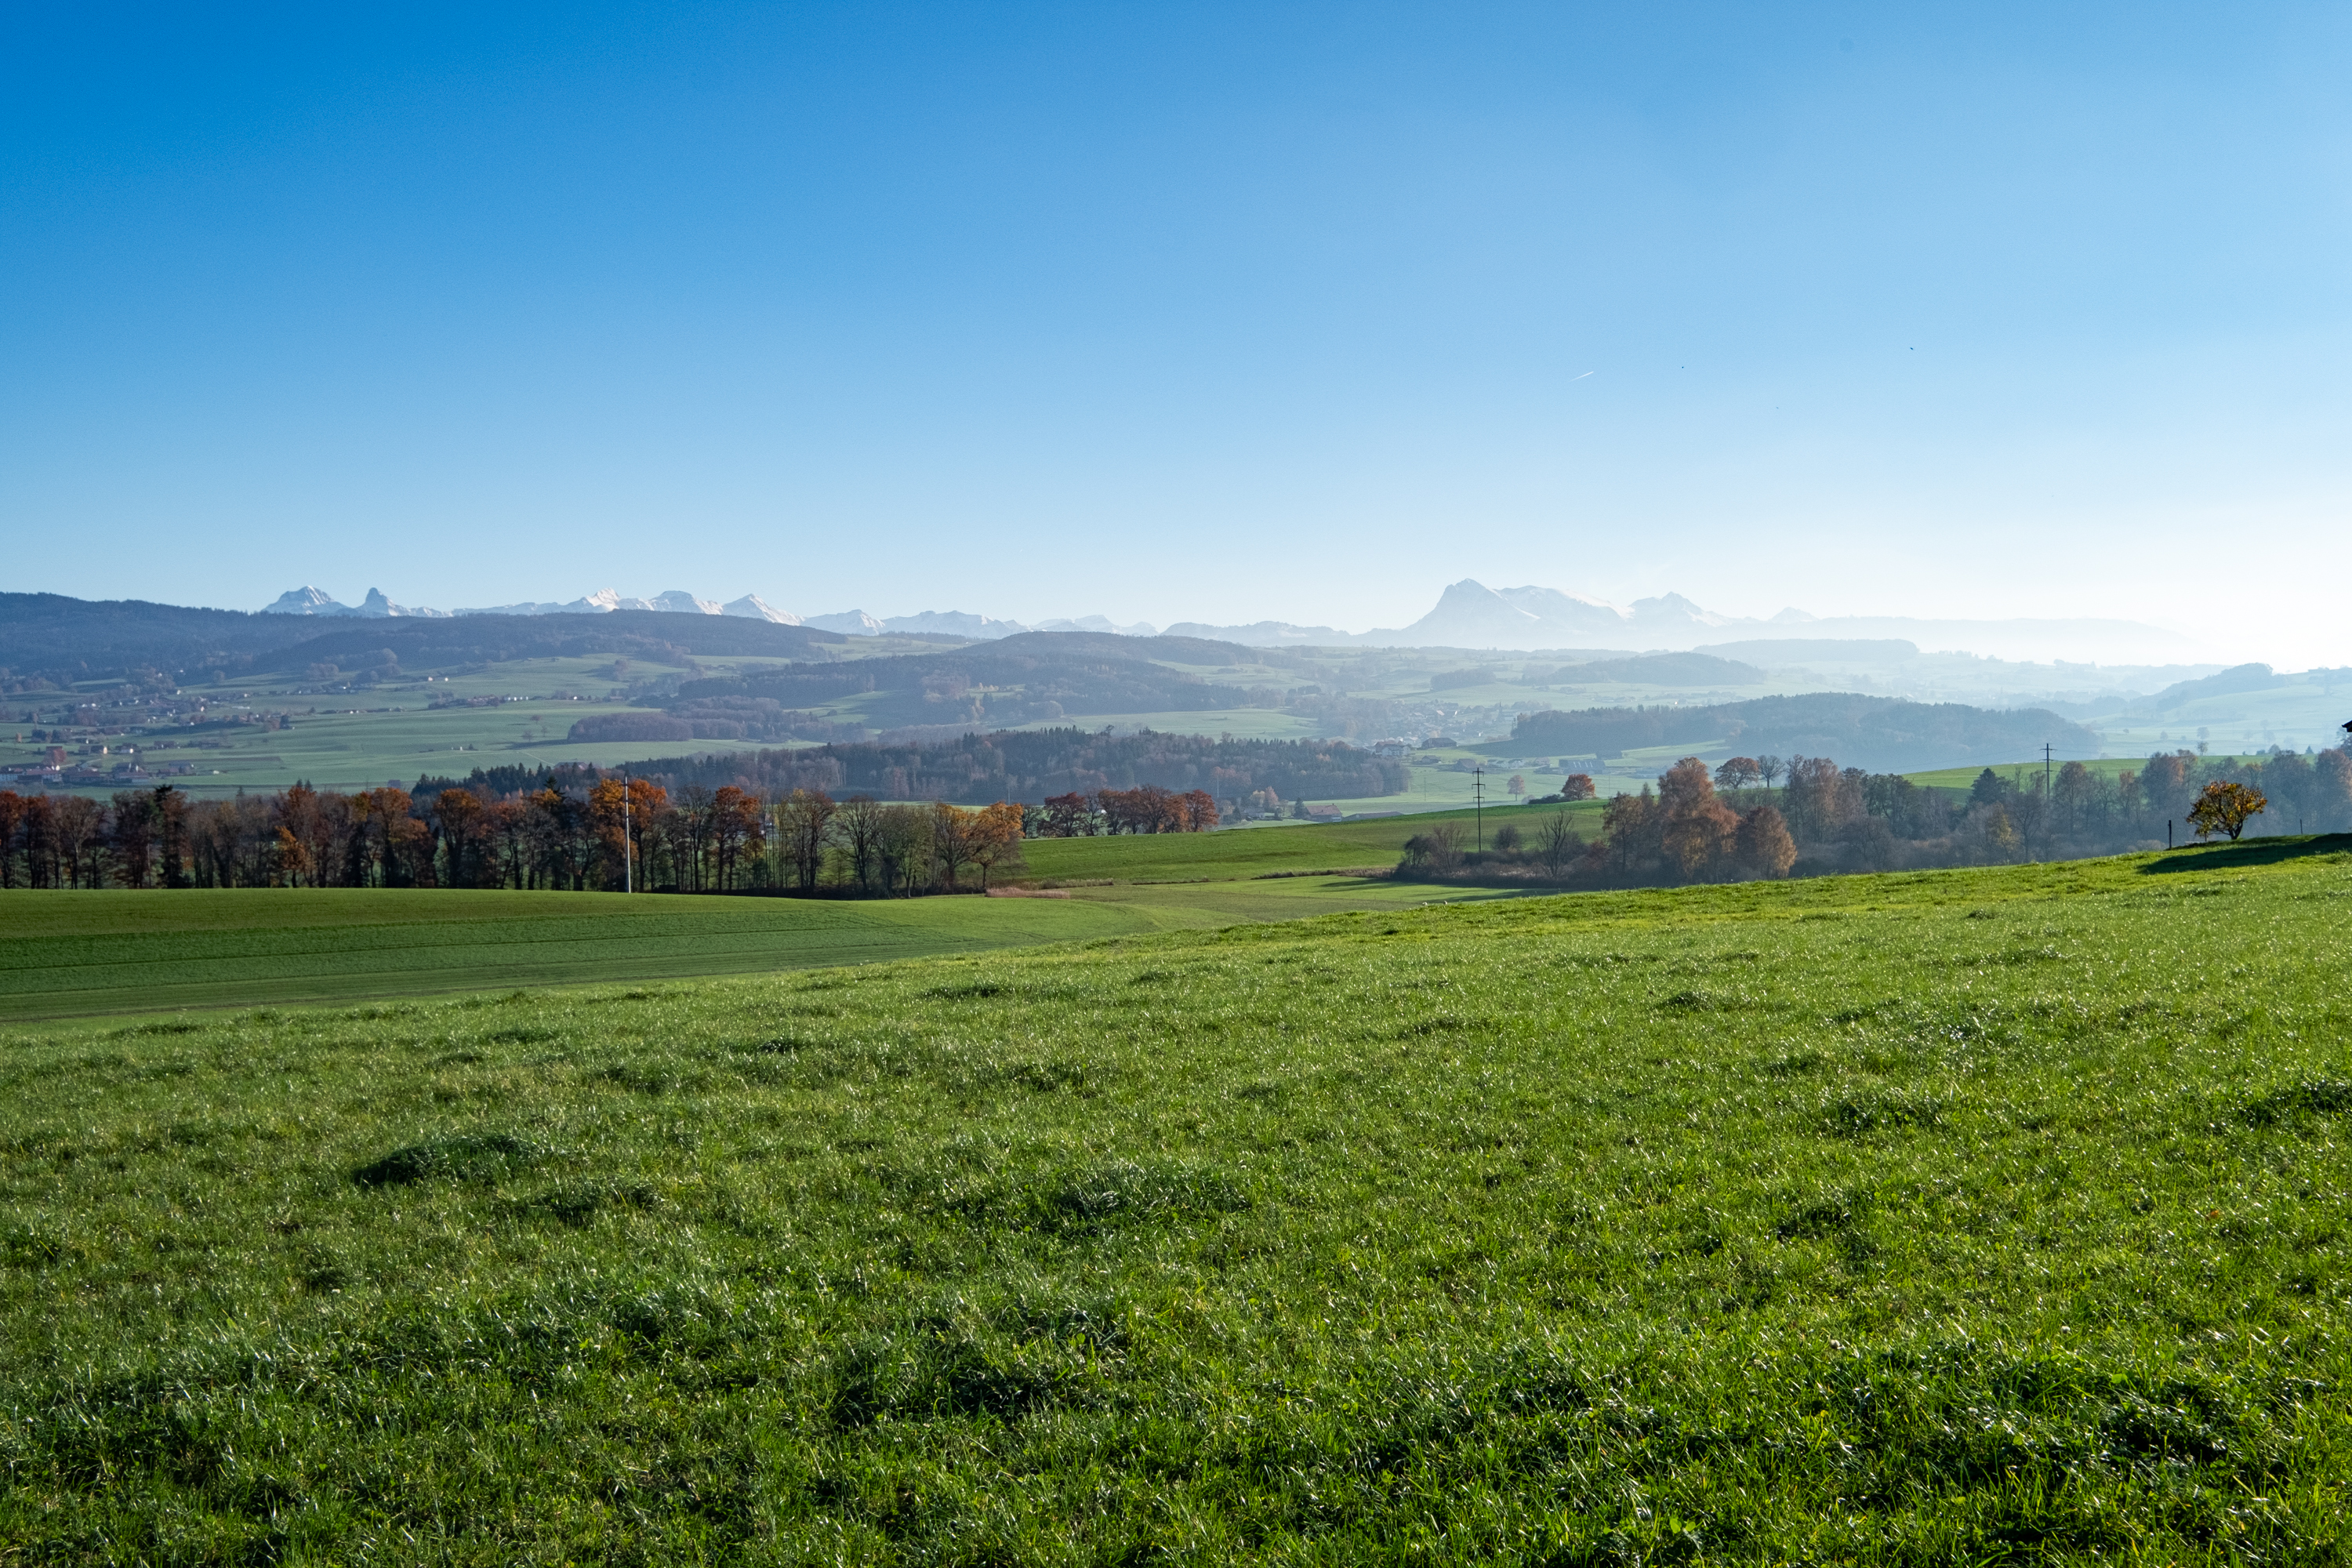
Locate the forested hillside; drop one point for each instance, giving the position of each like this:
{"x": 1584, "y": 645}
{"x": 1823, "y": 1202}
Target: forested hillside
{"x": 51, "y": 637}
{"x": 1018, "y": 681}
{"x": 59, "y": 639}
{"x": 659, "y": 636}
{"x": 1024, "y": 766}
{"x": 1880, "y": 733}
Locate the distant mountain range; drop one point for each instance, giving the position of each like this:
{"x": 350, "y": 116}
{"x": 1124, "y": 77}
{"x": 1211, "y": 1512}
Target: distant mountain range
{"x": 309, "y": 601}
{"x": 1468, "y": 614}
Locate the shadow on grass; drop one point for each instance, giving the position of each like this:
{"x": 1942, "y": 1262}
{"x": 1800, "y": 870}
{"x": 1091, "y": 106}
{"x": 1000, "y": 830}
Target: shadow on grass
{"x": 2249, "y": 852}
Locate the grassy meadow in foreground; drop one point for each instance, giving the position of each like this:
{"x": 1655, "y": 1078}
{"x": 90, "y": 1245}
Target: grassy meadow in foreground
{"x": 1932, "y": 1217}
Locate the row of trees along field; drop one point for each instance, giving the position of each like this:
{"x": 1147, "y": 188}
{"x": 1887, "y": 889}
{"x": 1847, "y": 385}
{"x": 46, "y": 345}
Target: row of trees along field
{"x": 604, "y": 833}
{"x": 1767, "y": 817}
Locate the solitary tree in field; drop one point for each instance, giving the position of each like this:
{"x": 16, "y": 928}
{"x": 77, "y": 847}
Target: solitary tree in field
{"x": 2225, "y": 807}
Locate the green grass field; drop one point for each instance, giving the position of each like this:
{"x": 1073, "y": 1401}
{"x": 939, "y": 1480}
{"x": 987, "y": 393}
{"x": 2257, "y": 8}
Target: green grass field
{"x": 1970, "y": 1216}
{"x": 122, "y": 951}
{"x": 1271, "y": 850}
{"x": 130, "y": 951}
{"x": 2028, "y": 774}
{"x": 380, "y": 737}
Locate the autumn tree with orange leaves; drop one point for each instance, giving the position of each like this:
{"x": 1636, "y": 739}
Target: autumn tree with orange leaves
{"x": 2225, "y": 807}
{"x": 998, "y": 843}
{"x": 621, "y": 816}
{"x": 1699, "y": 830}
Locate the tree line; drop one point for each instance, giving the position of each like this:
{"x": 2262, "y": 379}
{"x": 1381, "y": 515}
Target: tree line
{"x": 1767, "y": 816}
{"x": 1685, "y": 831}
{"x": 604, "y": 832}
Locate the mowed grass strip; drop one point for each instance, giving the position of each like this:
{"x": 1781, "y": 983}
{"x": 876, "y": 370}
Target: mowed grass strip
{"x": 1950, "y": 1216}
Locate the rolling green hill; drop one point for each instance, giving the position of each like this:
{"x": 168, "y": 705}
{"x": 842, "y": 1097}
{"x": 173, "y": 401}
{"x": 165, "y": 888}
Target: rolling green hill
{"x": 1953, "y": 1216}
{"x": 70, "y": 639}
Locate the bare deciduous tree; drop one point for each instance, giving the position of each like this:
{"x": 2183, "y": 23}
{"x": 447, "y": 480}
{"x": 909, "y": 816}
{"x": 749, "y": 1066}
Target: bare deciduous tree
{"x": 805, "y": 826}
{"x": 1557, "y": 845}
{"x": 955, "y": 836}
{"x": 861, "y": 822}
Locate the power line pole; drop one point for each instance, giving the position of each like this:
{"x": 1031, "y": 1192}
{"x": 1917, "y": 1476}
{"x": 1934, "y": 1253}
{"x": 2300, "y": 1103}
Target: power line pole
{"x": 1478, "y": 804}
{"x": 2045, "y": 769}
{"x": 629, "y": 866}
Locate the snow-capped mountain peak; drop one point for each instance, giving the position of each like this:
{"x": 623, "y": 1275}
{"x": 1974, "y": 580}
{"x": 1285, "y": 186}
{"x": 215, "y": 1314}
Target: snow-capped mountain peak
{"x": 758, "y": 609}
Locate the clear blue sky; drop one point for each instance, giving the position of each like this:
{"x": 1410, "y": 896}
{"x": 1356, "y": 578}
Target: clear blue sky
{"x": 1200, "y": 312}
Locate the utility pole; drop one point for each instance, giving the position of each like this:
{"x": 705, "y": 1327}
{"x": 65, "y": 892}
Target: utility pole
{"x": 1478, "y": 804}
{"x": 2045, "y": 769}
{"x": 629, "y": 866}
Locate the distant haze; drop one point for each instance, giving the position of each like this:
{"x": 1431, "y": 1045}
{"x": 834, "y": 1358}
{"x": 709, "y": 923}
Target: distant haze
{"x": 1467, "y": 614}
{"x": 1216, "y": 314}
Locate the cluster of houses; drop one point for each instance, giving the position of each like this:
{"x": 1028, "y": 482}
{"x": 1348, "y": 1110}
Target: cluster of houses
{"x": 103, "y": 765}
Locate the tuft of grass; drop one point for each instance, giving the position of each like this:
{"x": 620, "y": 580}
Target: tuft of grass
{"x": 460, "y": 1156}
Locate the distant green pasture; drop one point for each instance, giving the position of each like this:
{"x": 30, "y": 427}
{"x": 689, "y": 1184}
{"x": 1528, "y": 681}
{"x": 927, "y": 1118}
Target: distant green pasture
{"x": 2308, "y": 711}
{"x": 373, "y": 738}
{"x": 1263, "y": 851}
{"x": 2026, "y": 772}
{"x": 1242, "y": 723}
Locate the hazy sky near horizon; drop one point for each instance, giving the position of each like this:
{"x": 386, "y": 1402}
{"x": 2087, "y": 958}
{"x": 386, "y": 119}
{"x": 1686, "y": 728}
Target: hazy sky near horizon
{"x": 1209, "y": 312}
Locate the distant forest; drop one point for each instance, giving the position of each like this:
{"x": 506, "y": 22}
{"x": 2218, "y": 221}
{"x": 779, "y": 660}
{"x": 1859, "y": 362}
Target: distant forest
{"x": 1027, "y": 765}
{"x": 1653, "y": 670}
{"x": 1034, "y": 677}
{"x": 51, "y": 639}
{"x": 1878, "y": 733}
